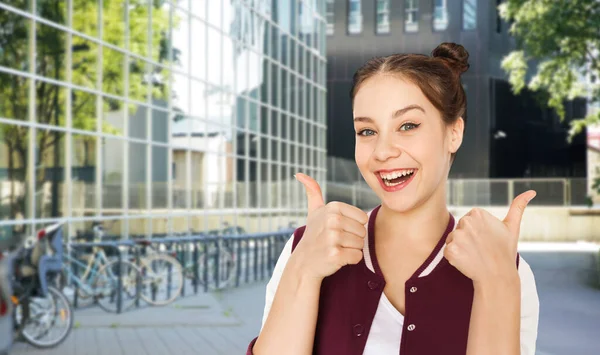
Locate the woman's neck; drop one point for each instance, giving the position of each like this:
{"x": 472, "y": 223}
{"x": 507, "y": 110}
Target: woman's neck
{"x": 423, "y": 225}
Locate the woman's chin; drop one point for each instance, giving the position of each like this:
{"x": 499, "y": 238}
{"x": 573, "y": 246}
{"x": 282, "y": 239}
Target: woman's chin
{"x": 397, "y": 205}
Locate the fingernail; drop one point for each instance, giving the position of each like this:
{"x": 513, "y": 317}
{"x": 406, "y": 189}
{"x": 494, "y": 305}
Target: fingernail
{"x": 295, "y": 177}
{"x": 531, "y": 196}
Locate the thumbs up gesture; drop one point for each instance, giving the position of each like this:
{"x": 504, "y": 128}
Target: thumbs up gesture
{"x": 482, "y": 246}
{"x": 334, "y": 235}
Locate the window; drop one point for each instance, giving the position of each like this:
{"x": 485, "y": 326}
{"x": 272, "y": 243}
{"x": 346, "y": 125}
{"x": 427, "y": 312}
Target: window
{"x": 383, "y": 17}
{"x": 469, "y": 14}
{"x": 498, "y": 18}
{"x": 329, "y": 15}
{"x": 354, "y": 17}
{"x": 440, "y": 15}
{"x": 411, "y": 20}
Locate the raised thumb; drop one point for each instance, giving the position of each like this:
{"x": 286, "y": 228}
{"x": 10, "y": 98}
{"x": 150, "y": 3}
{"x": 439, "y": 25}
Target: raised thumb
{"x": 516, "y": 210}
{"x": 313, "y": 191}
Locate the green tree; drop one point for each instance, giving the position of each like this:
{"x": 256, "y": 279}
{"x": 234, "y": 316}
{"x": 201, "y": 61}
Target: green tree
{"x": 51, "y": 62}
{"x": 560, "y": 39}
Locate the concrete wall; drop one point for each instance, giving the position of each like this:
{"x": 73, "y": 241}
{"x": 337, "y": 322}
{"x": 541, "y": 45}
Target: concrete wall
{"x": 555, "y": 224}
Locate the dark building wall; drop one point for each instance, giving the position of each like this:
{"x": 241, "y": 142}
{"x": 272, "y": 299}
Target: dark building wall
{"x": 486, "y": 46}
{"x": 346, "y": 53}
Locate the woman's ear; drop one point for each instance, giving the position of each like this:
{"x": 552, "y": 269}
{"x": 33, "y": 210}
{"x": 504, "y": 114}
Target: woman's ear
{"x": 457, "y": 130}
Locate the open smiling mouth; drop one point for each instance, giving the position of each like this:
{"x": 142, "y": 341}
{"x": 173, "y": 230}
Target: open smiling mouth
{"x": 396, "y": 180}
{"x": 397, "y": 177}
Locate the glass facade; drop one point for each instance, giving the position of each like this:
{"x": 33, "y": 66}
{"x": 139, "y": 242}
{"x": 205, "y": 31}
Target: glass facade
{"x": 155, "y": 117}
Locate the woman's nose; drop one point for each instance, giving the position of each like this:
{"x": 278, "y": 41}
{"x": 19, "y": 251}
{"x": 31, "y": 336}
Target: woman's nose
{"x": 387, "y": 148}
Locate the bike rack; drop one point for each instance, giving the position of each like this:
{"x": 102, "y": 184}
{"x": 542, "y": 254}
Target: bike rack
{"x": 263, "y": 260}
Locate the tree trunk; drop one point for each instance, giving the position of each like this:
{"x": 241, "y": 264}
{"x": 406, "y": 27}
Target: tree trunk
{"x": 11, "y": 180}
{"x": 20, "y": 205}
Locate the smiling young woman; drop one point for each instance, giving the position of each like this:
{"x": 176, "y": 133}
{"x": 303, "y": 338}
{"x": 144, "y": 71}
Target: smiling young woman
{"x": 403, "y": 278}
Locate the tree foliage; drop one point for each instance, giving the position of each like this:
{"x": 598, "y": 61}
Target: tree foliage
{"x": 560, "y": 39}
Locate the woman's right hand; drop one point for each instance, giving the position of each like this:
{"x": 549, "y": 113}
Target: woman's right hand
{"x": 334, "y": 235}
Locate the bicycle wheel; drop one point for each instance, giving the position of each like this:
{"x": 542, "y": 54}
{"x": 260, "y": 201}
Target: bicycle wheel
{"x": 226, "y": 264}
{"x": 106, "y": 283}
{"x": 162, "y": 279}
{"x": 64, "y": 283}
{"x": 44, "y": 316}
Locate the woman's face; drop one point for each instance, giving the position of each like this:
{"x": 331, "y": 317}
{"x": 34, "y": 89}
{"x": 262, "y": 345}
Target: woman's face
{"x": 403, "y": 147}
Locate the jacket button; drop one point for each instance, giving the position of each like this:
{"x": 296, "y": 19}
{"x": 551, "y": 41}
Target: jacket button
{"x": 411, "y": 327}
{"x": 358, "y": 330}
{"x": 413, "y": 289}
{"x": 372, "y": 284}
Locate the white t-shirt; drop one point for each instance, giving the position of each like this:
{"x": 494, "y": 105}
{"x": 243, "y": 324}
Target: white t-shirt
{"x": 386, "y": 329}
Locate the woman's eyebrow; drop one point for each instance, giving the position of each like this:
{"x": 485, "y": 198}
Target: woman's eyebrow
{"x": 402, "y": 111}
{"x": 396, "y": 113}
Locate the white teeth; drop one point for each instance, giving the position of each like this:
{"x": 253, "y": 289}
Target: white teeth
{"x": 397, "y": 174}
{"x": 388, "y": 183}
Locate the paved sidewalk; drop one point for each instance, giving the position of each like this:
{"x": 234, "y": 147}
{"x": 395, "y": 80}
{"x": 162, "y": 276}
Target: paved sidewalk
{"x": 224, "y": 323}
{"x": 204, "y": 324}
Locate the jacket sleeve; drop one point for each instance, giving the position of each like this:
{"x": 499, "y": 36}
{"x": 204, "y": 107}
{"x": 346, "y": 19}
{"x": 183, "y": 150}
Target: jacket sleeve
{"x": 530, "y": 309}
{"x": 272, "y": 286}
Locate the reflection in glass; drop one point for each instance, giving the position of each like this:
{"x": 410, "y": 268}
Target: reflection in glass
{"x": 138, "y": 27}
{"x": 179, "y": 177}
{"x": 14, "y": 95}
{"x": 112, "y": 79}
{"x": 114, "y": 116}
{"x": 84, "y": 67}
{"x": 197, "y": 175}
{"x": 160, "y": 122}
{"x": 13, "y": 171}
{"x": 49, "y": 174}
{"x": 233, "y": 82}
{"x": 137, "y": 122}
{"x": 137, "y": 177}
{"x": 83, "y": 172}
{"x": 200, "y": 48}
{"x": 14, "y": 42}
{"x": 85, "y": 15}
{"x": 160, "y": 172}
{"x": 112, "y": 175}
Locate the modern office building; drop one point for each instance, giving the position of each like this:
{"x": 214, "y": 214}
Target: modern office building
{"x": 155, "y": 117}
{"x": 506, "y": 135}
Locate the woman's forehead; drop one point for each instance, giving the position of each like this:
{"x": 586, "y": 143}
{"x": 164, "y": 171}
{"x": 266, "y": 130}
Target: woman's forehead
{"x": 384, "y": 93}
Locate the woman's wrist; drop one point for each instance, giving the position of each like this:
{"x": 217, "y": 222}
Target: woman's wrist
{"x": 508, "y": 279}
{"x": 301, "y": 273}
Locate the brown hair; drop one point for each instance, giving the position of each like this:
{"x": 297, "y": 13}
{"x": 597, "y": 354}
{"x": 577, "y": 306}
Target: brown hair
{"x": 437, "y": 76}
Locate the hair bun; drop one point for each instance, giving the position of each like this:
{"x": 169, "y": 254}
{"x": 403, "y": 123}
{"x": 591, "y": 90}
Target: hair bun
{"x": 455, "y": 54}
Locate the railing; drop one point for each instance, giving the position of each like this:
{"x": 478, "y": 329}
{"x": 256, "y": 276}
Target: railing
{"x": 256, "y": 255}
{"x": 479, "y": 192}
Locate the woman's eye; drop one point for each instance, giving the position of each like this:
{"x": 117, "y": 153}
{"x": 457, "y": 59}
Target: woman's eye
{"x": 366, "y": 132}
{"x": 408, "y": 126}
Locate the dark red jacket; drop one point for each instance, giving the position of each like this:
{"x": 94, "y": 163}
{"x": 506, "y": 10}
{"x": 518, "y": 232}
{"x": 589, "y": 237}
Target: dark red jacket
{"x": 437, "y": 315}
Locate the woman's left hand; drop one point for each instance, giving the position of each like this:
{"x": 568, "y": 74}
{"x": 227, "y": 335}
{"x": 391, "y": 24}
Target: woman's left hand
{"x": 483, "y": 247}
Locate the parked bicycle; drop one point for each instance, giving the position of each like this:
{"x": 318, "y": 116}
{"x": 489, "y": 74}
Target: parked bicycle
{"x": 42, "y": 316}
{"x": 94, "y": 277}
{"x": 161, "y": 275}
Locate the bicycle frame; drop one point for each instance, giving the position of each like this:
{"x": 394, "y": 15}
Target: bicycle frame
{"x": 97, "y": 260}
